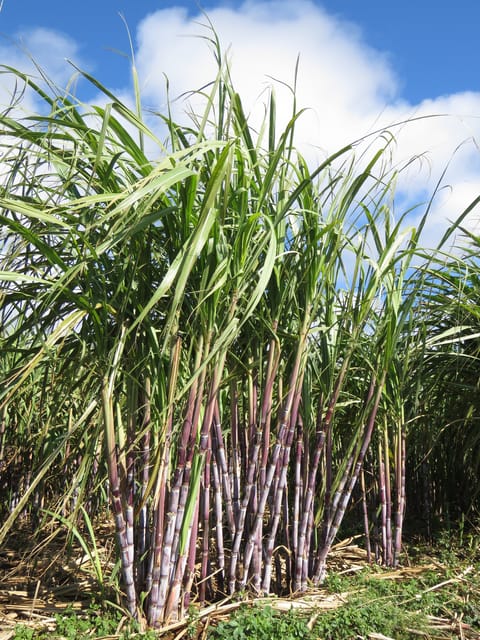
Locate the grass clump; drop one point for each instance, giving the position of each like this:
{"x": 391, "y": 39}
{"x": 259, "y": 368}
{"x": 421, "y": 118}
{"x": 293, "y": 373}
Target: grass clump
{"x": 372, "y": 607}
{"x": 438, "y": 599}
{"x": 262, "y": 623}
{"x": 96, "y": 622}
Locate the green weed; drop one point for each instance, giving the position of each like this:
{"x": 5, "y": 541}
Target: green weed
{"x": 262, "y": 623}
{"x": 96, "y": 622}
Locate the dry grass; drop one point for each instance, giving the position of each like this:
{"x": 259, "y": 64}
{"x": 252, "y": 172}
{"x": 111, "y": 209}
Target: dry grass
{"x": 39, "y": 580}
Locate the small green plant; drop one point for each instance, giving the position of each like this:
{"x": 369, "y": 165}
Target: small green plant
{"x": 192, "y": 618}
{"x": 96, "y": 622}
{"x": 22, "y": 632}
{"x": 262, "y": 623}
{"x": 361, "y": 618}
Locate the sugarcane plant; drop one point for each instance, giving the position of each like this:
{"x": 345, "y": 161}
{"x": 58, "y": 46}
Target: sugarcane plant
{"x": 207, "y": 333}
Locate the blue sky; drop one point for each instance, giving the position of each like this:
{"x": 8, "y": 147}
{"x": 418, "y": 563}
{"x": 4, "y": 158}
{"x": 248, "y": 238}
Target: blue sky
{"x": 364, "y": 65}
{"x": 433, "y": 46}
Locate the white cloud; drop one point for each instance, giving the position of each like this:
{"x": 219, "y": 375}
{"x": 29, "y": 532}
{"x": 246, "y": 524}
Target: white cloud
{"x": 349, "y": 88}
{"x": 33, "y": 52}
{"x": 340, "y": 77}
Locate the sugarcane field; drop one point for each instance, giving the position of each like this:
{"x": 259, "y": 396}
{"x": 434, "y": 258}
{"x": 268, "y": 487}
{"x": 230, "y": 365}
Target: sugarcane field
{"x": 239, "y": 391}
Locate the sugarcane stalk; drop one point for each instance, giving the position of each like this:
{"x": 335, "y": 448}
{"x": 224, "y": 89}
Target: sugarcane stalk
{"x": 304, "y": 534}
{"x": 261, "y": 439}
{"x": 267, "y": 401}
{"x": 383, "y": 503}
{"x": 246, "y": 500}
{"x": 278, "y": 496}
{"x": 3, "y": 424}
{"x": 298, "y": 490}
{"x": 344, "y": 497}
{"x": 205, "y": 503}
{"x": 323, "y": 438}
{"x": 143, "y": 543}
{"x": 366, "y": 521}
{"x": 158, "y": 574}
{"x": 171, "y": 605}
{"x": 118, "y": 511}
{"x": 189, "y": 573}
{"x": 222, "y": 463}
{"x": 388, "y": 555}
{"x": 283, "y": 429}
{"x": 218, "y": 511}
{"x": 129, "y": 490}
{"x": 235, "y": 464}
{"x": 401, "y": 494}
{"x": 180, "y": 489}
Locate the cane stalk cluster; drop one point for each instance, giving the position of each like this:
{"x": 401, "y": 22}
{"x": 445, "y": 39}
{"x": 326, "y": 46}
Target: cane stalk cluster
{"x": 217, "y": 339}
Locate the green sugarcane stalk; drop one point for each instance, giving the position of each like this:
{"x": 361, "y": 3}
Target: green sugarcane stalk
{"x": 171, "y": 605}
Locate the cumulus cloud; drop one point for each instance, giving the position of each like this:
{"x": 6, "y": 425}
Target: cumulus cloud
{"x": 340, "y": 78}
{"x": 35, "y": 52}
{"x": 350, "y": 90}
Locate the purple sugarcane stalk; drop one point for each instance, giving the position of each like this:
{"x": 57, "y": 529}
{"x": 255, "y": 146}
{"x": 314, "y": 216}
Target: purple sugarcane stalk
{"x": 184, "y": 571}
{"x": 161, "y": 540}
{"x": 252, "y": 405}
{"x": 169, "y": 552}
{"x": 145, "y": 477}
{"x": 222, "y": 463}
{"x": 247, "y": 497}
{"x": 205, "y": 502}
{"x": 383, "y": 503}
{"x": 366, "y": 523}
{"x": 253, "y": 442}
{"x": 262, "y": 438}
{"x": 159, "y": 571}
{"x": 301, "y": 557}
{"x": 308, "y": 559}
{"x": 282, "y": 481}
{"x": 187, "y": 560}
{"x": 323, "y": 437}
{"x": 181, "y": 486}
{"x": 218, "y": 511}
{"x": 117, "y": 506}
{"x": 400, "y": 490}
{"x": 235, "y": 470}
{"x": 283, "y": 429}
{"x": 388, "y": 503}
{"x": 298, "y": 493}
{"x": 178, "y": 557}
{"x": 266, "y": 410}
{"x": 347, "y": 491}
